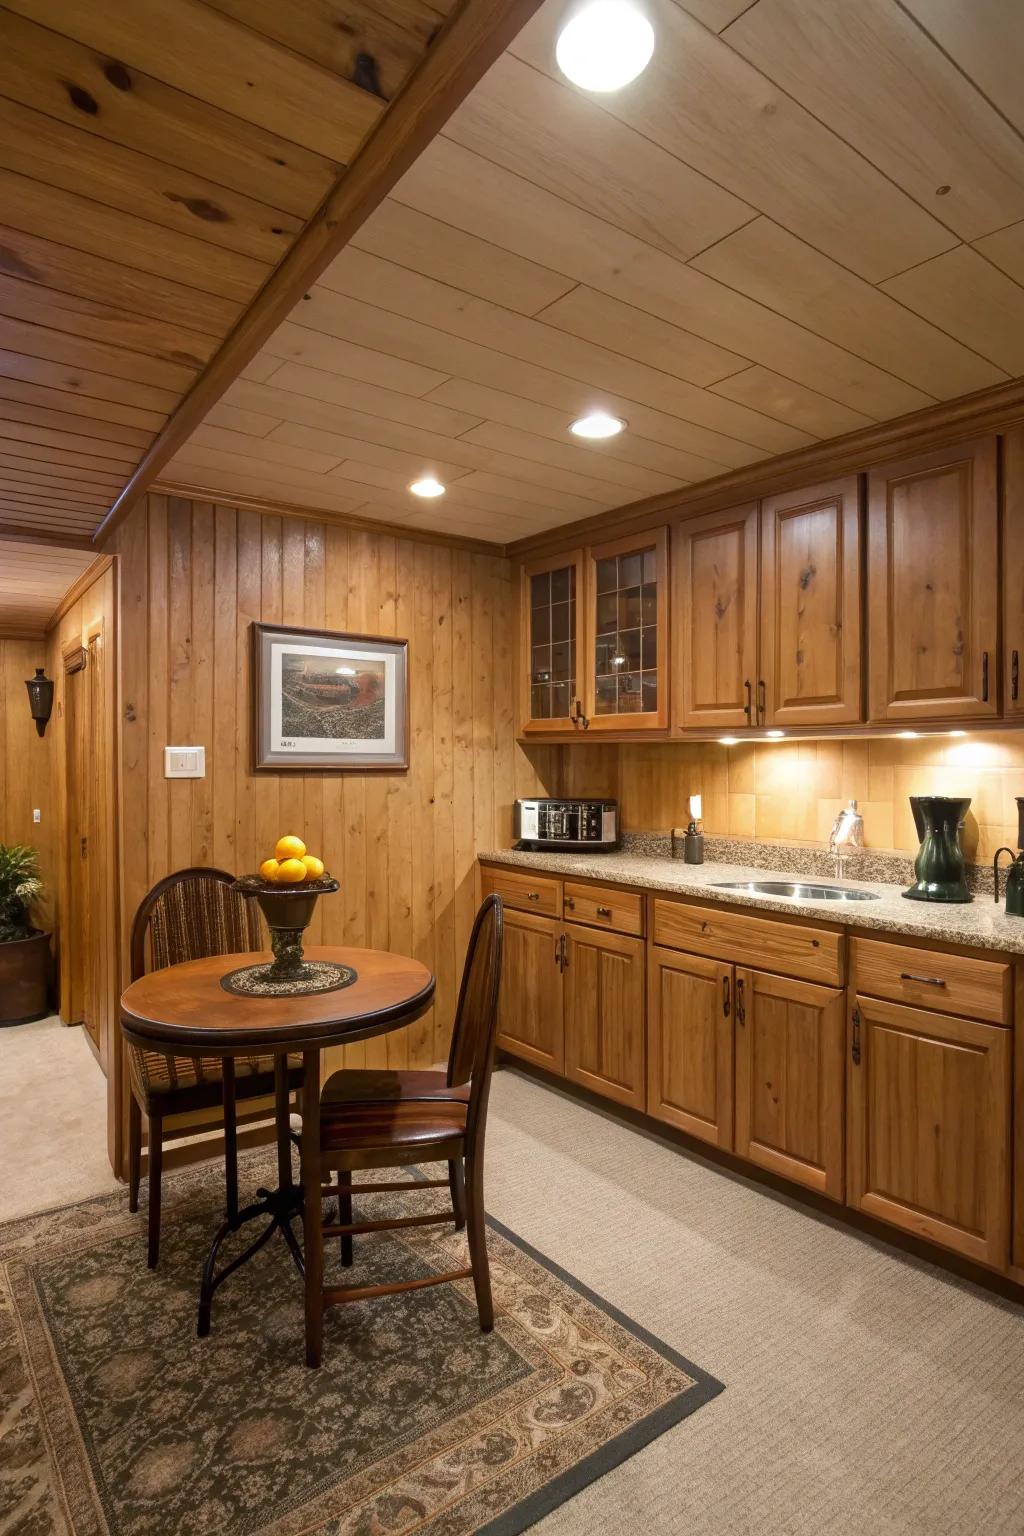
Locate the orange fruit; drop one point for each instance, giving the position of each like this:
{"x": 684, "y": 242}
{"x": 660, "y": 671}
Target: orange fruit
{"x": 269, "y": 869}
{"x": 290, "y": 872}
{"x": 314, "y": 866}
{"x": 289, "y": 848}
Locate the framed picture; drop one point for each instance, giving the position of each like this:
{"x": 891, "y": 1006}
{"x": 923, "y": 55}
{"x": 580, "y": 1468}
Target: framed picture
{"x": 328, "y": 701}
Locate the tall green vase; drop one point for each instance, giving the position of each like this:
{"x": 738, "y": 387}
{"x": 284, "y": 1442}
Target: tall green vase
{"x": 939, "y": 865}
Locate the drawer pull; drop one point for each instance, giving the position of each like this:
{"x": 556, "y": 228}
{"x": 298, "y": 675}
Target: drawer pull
{"x": 570, "y": 903}
{"x": 929, "y": 981}
{"x": 533, "y": 895}
{"x": 604, "y": 911}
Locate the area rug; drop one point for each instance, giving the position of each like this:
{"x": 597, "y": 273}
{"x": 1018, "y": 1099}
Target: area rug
{"x": 116, "y": 1420}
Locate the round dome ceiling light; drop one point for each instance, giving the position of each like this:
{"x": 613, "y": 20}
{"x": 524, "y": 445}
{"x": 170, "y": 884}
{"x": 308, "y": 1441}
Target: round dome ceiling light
{"x": 428, "y": 487}
{"x": 605, "y": 45}
{"x": 597, "y": 425}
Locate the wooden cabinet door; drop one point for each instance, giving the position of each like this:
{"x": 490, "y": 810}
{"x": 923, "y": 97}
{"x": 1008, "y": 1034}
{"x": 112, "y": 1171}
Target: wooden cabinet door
{"x": 690, "y": 1044}
{"x": 933, "y": 557}
{"x": 604, "y": 1013}
{"x": 715, "y": 618}
{"x": 551, "y": 643}
{"x": 810, "y": 671}
{"x": 626, "y": 672}
{"x": 929, "y": 1119}
{"x": 790, "y": 1039}
{"x": 530, "y": 1001}
{"x": 1013, "y": 573}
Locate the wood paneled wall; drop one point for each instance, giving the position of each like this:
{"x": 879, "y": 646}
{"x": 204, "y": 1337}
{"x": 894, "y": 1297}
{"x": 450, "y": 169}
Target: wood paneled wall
{"x": 791, "y": 790}
{"x": 193, "y": 577}
{"x": 25, "y": 782}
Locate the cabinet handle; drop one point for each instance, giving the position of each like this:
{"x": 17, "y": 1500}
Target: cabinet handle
{"x": 725, "y": 996}
{"x": 929, "y": 981}
{"x": 984, "y": 677}
{"x": 1015, "y": 676}
{"x": 565, "y": 953}
{"x": 533, "y": 895}
{"x": 855, "y": 1047}
{"x": 748, "y": 708}
{"x": 604, "y": 911}
{"x": 579, "y": 719}
{"x": 762, "y": 707}
{"x": 741, "y": 1007}
{"x": 570, "y": 903}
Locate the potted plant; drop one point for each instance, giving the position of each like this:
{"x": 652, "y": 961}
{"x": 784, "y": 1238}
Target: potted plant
{"x": 24, "y": 949}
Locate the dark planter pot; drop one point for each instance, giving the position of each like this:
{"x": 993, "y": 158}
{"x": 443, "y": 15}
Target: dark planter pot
{"x": 25, "y": 979}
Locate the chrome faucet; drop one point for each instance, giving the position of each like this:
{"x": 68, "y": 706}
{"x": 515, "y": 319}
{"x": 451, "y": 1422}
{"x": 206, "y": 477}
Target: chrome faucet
{"x": 847, "y": 833}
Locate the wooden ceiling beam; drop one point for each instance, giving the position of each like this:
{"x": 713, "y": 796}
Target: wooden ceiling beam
{"x": 473, "y": 37}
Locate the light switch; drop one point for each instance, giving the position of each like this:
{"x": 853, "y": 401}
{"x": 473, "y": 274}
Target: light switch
{"x": 37, "y": 817}
{"x": 184, "y": 762}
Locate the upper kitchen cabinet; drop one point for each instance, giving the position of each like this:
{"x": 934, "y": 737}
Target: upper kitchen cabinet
{"x": 1013, "y": 572}
{"x": 715, "y": 613}
{"x": 933, "y": 598}
{"x": 810, "y": 653}
{"x": 551, "y": 629}
{"x": 626, "y": 669}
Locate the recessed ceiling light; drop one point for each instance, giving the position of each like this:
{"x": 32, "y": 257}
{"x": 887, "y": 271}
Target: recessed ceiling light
{"x": 907, "y": 735}
{"x": 958, "y": 733}
{"x": 605, "y": 45}
{"x": 775, "y": 735}
{"x": 428, "y": 486}
{"x": 728, "y": 741}
{"x": 597, "y": 424}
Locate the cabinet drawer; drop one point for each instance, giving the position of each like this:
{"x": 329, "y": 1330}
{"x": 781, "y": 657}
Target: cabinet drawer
{"x": 814, "y": 954}
{"x": 924, "y": 978}
{"x": 603, "y": 907}
{"x": 527, "y": 891}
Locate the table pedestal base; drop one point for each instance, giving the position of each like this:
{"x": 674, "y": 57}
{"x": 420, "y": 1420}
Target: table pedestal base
{"x": 282, "y": 1206}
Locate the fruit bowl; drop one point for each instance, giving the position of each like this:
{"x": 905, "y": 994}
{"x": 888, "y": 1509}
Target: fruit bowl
{"x": 288, "y": 910}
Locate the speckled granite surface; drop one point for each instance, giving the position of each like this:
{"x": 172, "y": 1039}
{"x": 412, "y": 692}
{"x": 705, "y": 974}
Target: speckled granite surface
{"x": 980, "y": 923}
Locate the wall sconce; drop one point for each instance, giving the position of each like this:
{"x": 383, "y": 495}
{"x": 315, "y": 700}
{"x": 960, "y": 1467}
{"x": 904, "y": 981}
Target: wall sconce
{"x": 40, "y": 699}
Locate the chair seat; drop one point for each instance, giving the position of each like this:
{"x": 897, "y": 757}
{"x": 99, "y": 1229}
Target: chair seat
{"x": 359, "y": 1086}
{"x": 350, "y": 1126}
{"x": 155, "y": 1073}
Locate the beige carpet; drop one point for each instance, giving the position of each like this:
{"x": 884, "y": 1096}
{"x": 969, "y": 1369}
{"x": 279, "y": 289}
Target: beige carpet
{"x": 864, "y": 1392}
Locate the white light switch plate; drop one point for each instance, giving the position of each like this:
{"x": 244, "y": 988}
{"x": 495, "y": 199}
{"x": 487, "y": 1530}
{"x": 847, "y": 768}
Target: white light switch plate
{"x": 184, "y": 762}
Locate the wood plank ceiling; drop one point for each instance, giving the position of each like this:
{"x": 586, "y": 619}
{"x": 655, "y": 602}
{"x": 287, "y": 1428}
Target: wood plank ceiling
{"x": 157, "y": 161}
{"x": 805, "y": 216}
{"x": 33, "y": 579}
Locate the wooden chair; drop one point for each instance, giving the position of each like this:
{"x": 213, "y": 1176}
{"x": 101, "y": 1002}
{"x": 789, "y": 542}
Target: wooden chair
{"x": 187, "y": 916}
{"x": 382, "y": 1119}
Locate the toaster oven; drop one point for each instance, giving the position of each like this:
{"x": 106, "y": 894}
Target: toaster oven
{"x": 592, "y": 825}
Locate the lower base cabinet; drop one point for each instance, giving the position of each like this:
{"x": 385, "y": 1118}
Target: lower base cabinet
{"x": 790, "y": 1048}
{"x": 604, "y": 1013}
{"x": 690, "y": 1044}
{"x": 530, "y": 1000}
{"x": 929, "y": 1112}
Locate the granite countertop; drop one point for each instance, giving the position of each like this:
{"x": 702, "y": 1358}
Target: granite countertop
{"x": 980, "y": 923}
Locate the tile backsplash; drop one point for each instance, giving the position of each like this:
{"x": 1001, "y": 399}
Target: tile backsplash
{"x": 792, "y": 790}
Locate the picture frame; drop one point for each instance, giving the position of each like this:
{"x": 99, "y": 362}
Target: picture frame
{"x": 328, "y": 702}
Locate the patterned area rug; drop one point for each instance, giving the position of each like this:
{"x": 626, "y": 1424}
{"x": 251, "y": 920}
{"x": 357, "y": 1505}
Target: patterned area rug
{"x": 116, "y": 1420}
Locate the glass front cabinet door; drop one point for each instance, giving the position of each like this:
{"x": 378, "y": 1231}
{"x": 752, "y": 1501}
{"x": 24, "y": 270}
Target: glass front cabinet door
{"x": 552, "y": 634}
{"x": 626, "y": 670}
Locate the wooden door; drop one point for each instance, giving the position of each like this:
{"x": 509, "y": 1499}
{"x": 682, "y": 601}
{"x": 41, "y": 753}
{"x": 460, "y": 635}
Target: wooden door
{"x": 690, "y": 1044}
{"x": 790, "y": 1039}
{"x": 604, "y": 1013}
{"x": 929, "y": 1126}
{"x": 1013, "y": 573}
{"x": 75, "y": 939}
{"x": 810, "y": 671}
{"x": 551, "y": 643}
{"x": 933, "y": 559}
{"x": 715, "y": 617}
{"x": 530, "y": 1003}
{"x": 626, "y": 672}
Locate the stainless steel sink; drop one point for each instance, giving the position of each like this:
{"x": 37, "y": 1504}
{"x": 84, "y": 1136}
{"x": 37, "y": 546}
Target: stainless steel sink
{"x": 793, "y": 890}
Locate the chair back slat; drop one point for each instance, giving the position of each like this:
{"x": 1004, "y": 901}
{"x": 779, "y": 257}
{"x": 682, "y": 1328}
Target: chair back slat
{"x": 471, "y": 1058}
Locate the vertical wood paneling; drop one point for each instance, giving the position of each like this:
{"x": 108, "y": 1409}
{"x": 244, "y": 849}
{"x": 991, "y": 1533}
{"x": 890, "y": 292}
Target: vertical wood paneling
{"x": 403, "y": 846}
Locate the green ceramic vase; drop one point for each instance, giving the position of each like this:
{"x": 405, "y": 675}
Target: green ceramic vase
{"x": 939, "y": 865}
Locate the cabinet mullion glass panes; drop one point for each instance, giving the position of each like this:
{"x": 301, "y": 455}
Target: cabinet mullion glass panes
{"x": 553, "y": 658}
{"x": 626, "y": 678}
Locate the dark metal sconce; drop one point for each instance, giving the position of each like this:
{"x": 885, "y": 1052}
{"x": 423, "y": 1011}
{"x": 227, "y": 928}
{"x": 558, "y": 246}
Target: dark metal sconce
{"x": 40, "y": 699}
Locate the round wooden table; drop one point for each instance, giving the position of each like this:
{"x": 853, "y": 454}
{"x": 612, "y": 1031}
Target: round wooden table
{"x": 183, "y": 1010}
